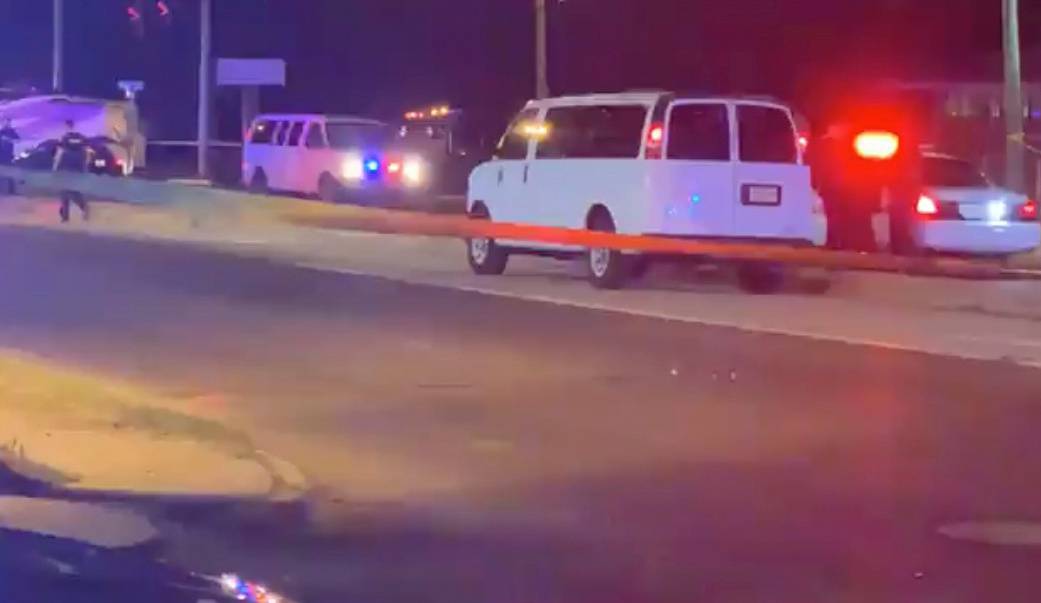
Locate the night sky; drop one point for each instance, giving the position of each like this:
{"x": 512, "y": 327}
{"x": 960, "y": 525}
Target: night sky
{"x": 382, "y": 56}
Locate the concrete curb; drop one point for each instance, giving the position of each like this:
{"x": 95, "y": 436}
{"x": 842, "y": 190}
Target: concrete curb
{"x": 80, "y": 432}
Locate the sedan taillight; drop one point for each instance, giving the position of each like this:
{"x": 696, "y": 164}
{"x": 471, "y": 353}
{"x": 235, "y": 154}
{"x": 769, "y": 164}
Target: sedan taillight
{"x": 1028, "y": 211}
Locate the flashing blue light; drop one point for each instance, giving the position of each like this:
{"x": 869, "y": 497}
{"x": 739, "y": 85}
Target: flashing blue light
{"x": 695, "y": 198}
{"x": 372, "y": 166}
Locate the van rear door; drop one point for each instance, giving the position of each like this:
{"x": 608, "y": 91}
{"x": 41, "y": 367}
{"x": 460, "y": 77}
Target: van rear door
{"x": 774, "y": 197}
{"x": 696, "y": 180}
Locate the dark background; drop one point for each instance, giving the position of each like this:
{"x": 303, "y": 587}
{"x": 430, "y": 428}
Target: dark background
{"x": 382, "y": 56}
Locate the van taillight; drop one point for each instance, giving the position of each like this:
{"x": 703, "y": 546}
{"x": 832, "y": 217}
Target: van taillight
{"x": 655, "y": 140}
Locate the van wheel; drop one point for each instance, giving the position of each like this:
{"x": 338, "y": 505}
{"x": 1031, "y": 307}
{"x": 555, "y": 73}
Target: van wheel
{"x": 486, "y": 257}
{"x": 760, "y": 278}
{"x": 258, "y": 183}
{"x": 608, "y": 268}
{"x": 329, "y": 190}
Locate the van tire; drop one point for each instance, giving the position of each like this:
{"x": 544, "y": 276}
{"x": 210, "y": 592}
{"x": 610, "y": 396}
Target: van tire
{"x": 258, "y": 183}
{"x": 606, "y": 268}
{"x": 329, "y": 189}
{"x": 760, "y": 278}
{"x": 486, "y": 257}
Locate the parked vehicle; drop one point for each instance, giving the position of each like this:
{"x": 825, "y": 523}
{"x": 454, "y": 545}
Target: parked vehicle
{"x": 106, "y": 161}
{"x": 961, "y": 211}
{"x": 647, "y": 163}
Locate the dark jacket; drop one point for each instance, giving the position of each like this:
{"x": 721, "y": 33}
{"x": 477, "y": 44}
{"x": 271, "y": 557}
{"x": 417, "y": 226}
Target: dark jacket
{"x": 75, "y": 153}
{"x": 8, "y": 136}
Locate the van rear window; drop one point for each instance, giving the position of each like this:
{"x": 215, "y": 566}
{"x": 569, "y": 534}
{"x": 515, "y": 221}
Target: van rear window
{"x": 598, "y": 132}
{"x": 766, "y": 134}
{"x": 699, "y": 132}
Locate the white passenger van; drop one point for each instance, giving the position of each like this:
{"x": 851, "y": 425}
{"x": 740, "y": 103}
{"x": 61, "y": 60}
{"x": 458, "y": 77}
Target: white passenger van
{"x": 646, "y": 163}
{"x": 332, "y": 157}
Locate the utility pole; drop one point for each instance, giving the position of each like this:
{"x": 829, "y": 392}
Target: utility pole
{"x": 541, "y": 59}
{"x": 58, "y": 59}
{"x": 1014, "y": 155}
{"x": 205, "y": 85}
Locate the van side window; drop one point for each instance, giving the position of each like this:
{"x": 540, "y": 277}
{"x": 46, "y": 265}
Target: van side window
{"x": 514, "y": 143}
{"x": 599, "y": 132}
{"x": 766, "y": 135}
{"x": 315, "y": 139}
{"x": 281, "y": 133}
{"x": 295, "y": 132}
{"x": 262, "y": 132}
{"x": 699, "y": 132}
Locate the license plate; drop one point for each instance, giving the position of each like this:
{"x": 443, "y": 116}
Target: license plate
{"x": 972, "y": 211}
{"x": 760, "y": 194}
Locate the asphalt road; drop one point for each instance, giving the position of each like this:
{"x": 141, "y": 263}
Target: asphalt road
{"x": 465, "y": 447}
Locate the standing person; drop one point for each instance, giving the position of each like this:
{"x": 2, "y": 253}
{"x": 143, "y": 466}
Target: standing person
{"x": 8, "y": 136}
{"x": 73, "y": 155}
{"x": 849, "y": 197}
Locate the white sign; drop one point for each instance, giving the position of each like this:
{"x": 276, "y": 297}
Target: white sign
{"x": 131, "y": 86}
{"x": 251, "y": 72}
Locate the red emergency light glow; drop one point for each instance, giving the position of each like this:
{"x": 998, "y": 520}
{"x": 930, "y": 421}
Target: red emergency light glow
{"x": 1028, "y": 211}
{"x": 876, "y": 144}
{"x": 926, "y": 206}
{"x": 655, "y": 136}
{"x": 393, "y": 167}
{"x": 163, "y": 8}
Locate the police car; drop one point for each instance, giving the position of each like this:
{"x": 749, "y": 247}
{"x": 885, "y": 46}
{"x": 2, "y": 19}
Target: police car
{"x": 647, "y": 163}
{"x": 336, "y": 158}
{"x": 961, "y": 211}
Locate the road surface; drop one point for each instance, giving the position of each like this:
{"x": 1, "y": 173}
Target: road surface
{"x": 467, "y": 447}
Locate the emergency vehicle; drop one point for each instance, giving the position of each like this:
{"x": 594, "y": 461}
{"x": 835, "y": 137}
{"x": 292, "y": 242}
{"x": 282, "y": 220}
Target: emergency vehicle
{"x": 334, "y": 157}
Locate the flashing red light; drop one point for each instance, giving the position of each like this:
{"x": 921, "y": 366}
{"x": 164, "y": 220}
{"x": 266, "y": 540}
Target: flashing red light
{"x": 394, "y": 167}
{"x": 1028, "y": 211}
{"x": 876, "y": 144}
{"x": 655, "y": 137}
{"x": 927, "y": 206}
{"x": 163, "y": 8}
{"x": 657, "y": 134}
{"x": 803, "y": 141}
{"x": 133, "y": 13}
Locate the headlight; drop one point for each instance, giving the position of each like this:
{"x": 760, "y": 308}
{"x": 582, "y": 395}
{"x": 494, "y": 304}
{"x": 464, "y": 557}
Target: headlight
{"x": 412, "y": 171}
{"x": 353, "y": 168}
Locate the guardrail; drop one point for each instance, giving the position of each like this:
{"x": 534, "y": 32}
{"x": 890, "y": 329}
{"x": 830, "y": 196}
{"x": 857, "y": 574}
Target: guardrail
{"x": 296, "y": 212}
